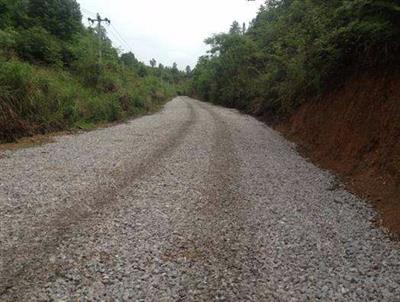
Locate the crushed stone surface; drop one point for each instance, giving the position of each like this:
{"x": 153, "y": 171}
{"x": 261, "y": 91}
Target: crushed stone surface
{"x": 195, "y": 203}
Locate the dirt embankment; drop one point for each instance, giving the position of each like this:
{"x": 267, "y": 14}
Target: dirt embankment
{"x": 355, "y": 131}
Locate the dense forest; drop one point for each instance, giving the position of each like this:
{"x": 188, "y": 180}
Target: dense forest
{"x": 295, "y": 50}
{"x": 51, "y": 77}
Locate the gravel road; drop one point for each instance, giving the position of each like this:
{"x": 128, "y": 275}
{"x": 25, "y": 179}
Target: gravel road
{"x": 195, "y": 203}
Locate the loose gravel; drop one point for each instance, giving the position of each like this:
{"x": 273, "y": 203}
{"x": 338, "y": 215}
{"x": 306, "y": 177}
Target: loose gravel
{"x": 195, "y": 203}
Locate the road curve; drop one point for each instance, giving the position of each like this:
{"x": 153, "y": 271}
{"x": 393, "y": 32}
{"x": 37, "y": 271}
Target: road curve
{"x": 195, "y": 203}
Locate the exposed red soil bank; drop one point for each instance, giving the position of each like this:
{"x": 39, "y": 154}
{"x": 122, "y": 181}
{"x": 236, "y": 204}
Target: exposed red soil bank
{"x": 355, "y": 131}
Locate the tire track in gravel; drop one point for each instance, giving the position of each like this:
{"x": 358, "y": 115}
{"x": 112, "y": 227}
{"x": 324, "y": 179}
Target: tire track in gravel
{"x": 227, "y": 211}
{"x": 215, "y": 225}
{"x": 30, "y": 262}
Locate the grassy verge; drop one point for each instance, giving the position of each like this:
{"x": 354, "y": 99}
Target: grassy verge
{"x": 37, "y": 100}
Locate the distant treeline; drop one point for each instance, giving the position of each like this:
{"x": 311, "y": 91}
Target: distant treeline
{"x": 51, "y": 79}
{"x": 295, "y": 50}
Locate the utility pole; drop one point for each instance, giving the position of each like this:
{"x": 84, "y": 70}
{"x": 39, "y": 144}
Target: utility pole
{"x": 99, "y": 20}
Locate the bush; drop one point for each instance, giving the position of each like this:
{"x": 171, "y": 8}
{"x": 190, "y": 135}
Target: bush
{"x": 8, "y": 42}
{"x": 296, "y": 50}
{"x": 38, "y": 45}
{"x": 51, "y": 79}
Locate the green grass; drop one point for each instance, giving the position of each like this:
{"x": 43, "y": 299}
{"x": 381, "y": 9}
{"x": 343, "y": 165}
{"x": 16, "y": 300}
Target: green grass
{"x": 37, "y": 99}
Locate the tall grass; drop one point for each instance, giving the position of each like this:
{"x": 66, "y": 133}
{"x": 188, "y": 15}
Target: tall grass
{"x": 37, "y": 99}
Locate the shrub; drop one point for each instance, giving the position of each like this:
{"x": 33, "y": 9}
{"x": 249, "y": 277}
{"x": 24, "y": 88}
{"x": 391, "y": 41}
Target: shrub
{"x": 294, "y": 49}
{"x": 8, "y": 42}
{"x": 38, "y": 45}
{"x": 51, "y": 78}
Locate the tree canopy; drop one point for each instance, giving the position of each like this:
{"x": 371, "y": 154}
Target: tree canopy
{"x": 51, "y": 76}
{"x": 295, "y": 49}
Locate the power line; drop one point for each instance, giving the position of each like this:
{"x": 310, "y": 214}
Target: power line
{"x": 117, "y": 39}
{"x": 121, "y": 37}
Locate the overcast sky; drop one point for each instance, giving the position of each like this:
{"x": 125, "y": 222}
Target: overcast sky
{"x": 169, "y": 30}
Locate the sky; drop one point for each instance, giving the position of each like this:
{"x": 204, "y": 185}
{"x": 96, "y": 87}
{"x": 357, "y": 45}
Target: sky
{"x": 168, "y": 30}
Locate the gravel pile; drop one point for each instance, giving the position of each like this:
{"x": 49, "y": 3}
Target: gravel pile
{"x": 196, "y": 203}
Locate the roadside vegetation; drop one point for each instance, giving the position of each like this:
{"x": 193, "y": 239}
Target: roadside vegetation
{"x": 295, "y": 50}
{"x": 51, "y": 79}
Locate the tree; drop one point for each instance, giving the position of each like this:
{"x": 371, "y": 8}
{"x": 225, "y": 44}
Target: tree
{"x": 13, "y": 14}
{"x": 142, "y": 70}
{"x": 129, "y": 60}
{"x": 38, "y": 45}
{"x": 235, "y": 28}
{"x": 61, "y": 18}
{"x": 50, "y": 77}
{"x": 153, "y": 63}
{"x": 188, "y": 70}
{"x": 292, "y": 49}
